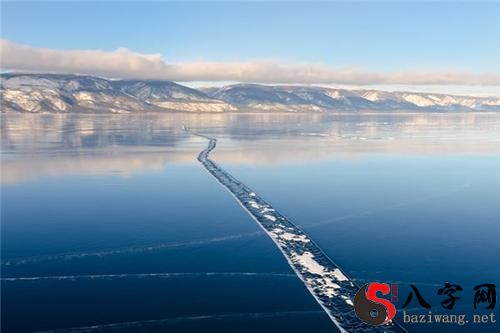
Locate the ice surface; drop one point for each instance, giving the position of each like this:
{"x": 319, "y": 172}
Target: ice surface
{"x": 326, "y": 282}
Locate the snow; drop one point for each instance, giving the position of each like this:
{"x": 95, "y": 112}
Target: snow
{"x": 308, "y": 262}
{"x": 40, "y": 92}
{"x": 31, "y": 100}
{"x": 330, "y": 288}
{"x": 334, "y": 94}
{"x": 293, "y": 237}
{"x": 19, "y": 82}
{"x": 289, "y": 236}
{"x": 372, "y": 96}
{"x": 254, "y": 204}
{"x": 196, "y": 106}
{"x": 419, "y": 100}
{"x": 339, "y": 275}
{"x": 270, "y": 217}
{"x": 59, "y": 104}
{"x": 83, "y": 96}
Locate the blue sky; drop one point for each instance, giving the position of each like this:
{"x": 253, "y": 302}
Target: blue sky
{"x": 373, "y": 36}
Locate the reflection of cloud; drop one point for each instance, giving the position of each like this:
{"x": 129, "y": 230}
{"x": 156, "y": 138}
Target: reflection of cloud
{"x": 284, "y": 153}
{"x": 123, "y": 63}
{"x": 123, "y": 164}
{"x": 36, "y": 146}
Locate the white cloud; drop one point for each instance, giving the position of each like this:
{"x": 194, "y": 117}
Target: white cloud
{"x": 123, "y": 63}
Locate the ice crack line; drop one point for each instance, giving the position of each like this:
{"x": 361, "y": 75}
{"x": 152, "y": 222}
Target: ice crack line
{"x": 331, "y": 288}
{"x": 143, "y": 275}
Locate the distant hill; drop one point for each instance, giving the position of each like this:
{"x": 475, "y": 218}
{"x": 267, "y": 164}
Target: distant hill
{"x": 75, "y": 93}
{"x": 21, "y": 92}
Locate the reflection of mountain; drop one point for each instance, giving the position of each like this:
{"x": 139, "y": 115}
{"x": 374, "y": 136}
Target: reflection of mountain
{"x": 75, "y": 93}
{"x": 54, "y": 144}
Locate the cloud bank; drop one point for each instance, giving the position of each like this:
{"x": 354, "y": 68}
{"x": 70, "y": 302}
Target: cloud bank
{"x": 125, "y": 64}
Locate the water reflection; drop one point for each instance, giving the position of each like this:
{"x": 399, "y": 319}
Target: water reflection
{"x": 35, "y": 146}
{"x": 430, "y": 179}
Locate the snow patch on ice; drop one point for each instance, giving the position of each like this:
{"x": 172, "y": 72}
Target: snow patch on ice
{"x": 270, "y": 217}
{"x": 254, "y": 204}
{"x": 307, "y": 261}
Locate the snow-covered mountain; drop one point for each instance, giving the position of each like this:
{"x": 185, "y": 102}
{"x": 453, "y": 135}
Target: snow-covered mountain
{"x": 77, "y": 93}
{"x": 305, "y": 98}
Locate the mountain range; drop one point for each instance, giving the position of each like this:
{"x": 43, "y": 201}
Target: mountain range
{"x": 21, "y": 92}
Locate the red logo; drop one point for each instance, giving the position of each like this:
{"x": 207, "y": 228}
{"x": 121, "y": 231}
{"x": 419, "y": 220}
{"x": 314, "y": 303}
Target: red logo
{"x": 371, "y": 308}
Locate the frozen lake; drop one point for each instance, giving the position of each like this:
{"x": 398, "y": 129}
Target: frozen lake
{"x": 113, "y": 223}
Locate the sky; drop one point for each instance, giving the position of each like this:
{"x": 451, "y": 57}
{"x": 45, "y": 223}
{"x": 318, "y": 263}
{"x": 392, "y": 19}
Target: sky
{"x": 357, "y": 43}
